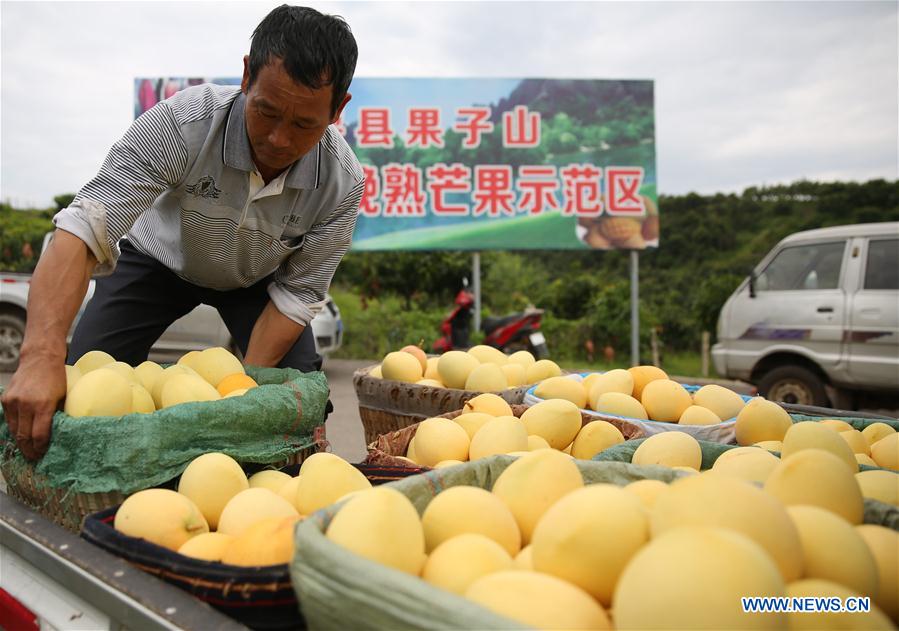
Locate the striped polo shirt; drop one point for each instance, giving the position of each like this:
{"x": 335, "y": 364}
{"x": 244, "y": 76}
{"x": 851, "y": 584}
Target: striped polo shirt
{"x": 182, "y": 186}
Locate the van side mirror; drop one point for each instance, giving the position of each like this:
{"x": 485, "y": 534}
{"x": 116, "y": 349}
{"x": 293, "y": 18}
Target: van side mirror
{"x": 752, "y": 278}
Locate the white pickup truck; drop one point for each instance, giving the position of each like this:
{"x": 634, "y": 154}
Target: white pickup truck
{"x": 199, "y": 329}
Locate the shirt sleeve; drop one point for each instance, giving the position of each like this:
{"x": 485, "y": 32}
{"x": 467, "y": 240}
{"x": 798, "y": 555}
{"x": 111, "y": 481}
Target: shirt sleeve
{"x": 299, "y": 286}
{"x": 149, "y": 158}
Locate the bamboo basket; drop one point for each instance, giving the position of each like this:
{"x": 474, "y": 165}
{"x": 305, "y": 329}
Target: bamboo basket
{"x": 388, "y": 449}
{"x": 260, "y": 597}
{"x": 68, "y": 508}
{"x": 387, "y": 406}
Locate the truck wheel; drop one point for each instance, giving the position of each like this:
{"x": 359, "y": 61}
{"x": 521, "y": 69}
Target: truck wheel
{"x": 793, "y": 384}
{"x": 12, "y": 332}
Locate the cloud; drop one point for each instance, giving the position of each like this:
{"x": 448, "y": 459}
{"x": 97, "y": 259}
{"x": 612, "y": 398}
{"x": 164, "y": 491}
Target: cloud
{"x": 746, "y": 92}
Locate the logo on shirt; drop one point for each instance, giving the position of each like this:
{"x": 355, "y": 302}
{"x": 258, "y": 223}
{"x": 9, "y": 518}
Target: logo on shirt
{"x": 204, "y": 187}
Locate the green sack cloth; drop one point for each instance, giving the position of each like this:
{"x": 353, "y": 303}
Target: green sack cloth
{"x": 103, "y": 453}
{"x": 857, "y": 423}
{"x": 624, "y": 452}
{"x": 337, "y": 589}
{"x": 340, "y": 590}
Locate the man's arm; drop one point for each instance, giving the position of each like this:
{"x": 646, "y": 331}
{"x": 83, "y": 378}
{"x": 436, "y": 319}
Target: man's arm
{"x": 300, "y": 283}
{"x": 148, "y": 159}
{"x": 57, "y": 289}
{"x": 273, "y": 335}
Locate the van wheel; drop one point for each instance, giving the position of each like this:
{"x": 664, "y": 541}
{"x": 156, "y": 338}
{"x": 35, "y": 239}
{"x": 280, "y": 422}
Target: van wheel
{"x": 12, "y": 332}
{"x": 795, "y": 385}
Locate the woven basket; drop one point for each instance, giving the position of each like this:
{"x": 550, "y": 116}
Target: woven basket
{"x": 260, "y": 597}
{"x": 388, "y": 449}
{"x": 387, "y": 406}
{"x": 68, "y": 508}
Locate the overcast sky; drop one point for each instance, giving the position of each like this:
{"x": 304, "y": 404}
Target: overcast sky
{"x": 747, "y": 93}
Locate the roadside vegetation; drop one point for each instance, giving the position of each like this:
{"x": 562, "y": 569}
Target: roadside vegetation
{"x": 708, "y": 245}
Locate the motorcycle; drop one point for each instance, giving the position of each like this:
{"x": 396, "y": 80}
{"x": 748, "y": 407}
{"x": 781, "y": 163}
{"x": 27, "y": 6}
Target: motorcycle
{"x": 514, "y": 332}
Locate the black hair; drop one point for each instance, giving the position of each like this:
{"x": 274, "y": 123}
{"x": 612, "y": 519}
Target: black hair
{"x": 316, "y": 49}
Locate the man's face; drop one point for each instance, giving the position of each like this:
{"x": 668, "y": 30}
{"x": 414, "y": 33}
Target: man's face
{"x": 284, "y": 118}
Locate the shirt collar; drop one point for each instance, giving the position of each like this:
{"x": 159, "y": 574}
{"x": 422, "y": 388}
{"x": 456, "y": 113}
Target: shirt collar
{"x": 304, "y": 173}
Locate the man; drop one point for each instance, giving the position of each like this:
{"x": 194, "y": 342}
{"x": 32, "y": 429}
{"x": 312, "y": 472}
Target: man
{"x": 241, "y": 198}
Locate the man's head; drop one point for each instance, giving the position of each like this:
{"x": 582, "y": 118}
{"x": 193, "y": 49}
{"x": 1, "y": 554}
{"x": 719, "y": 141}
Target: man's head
{"x": 296, "y": 79}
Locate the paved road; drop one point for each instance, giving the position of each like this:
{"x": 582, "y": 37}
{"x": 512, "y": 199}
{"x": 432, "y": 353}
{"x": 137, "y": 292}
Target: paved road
{"x": 344, "y": 427}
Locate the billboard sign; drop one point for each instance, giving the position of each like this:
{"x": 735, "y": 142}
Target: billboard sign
{"x": 505, "y": 164}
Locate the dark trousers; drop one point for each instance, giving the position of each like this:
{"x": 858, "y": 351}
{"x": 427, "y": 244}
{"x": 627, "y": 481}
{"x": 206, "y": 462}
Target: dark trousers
{"x": 131, "y": 308}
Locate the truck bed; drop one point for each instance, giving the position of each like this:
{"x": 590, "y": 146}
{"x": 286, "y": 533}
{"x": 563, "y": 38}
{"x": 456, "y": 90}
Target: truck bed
{"x": 70, "y": 584}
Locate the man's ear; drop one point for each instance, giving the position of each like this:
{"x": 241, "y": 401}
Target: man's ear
{"x": 336, "y": 117}
{"x": 245, "y": 81}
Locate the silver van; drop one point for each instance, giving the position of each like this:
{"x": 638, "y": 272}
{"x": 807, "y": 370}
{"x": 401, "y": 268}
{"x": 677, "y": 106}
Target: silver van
{"x": 817, "y": 321}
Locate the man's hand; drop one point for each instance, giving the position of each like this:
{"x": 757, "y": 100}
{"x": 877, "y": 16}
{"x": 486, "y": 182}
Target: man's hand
{"x": 29, "y": 403}
{"x": 58, "y": 286}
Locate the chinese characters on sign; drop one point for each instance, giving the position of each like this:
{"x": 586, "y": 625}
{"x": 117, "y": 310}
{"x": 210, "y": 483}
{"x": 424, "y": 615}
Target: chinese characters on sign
{"x": 424, "y": 129}
{"x": 402, "y": 190}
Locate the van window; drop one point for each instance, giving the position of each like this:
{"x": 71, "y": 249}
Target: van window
{"x": 804, "y": 267}
{"x": 882, "y": 267}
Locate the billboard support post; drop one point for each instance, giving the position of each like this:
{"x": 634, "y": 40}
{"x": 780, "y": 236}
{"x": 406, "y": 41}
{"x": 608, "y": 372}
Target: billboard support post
{"x": 635, "y": 308}
{"x": 476, "y": 285}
